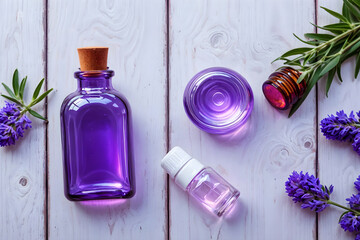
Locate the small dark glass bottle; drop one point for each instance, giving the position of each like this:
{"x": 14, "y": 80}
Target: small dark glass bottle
{"x": 282, "y": 89}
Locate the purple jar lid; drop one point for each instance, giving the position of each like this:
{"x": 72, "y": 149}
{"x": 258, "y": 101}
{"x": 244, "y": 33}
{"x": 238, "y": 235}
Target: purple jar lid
{"x": 218, "y": 100}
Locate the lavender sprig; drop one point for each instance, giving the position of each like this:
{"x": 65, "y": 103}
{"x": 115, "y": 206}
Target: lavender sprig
{"x": 354, "y": 202}
{"x": 13, "y": 119}
{"x": 13, "y": 124}
{"x": 342, "y": 127}
{"x": 350, "y": 222}
{"x": 307, "y": 190}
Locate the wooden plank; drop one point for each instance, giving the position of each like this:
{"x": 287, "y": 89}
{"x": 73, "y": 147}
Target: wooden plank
{"x": 22, "y": 167}
{"x": 135, "y": 31}
{"x": 338, "y": 163}
{"x": 245, "y": 36}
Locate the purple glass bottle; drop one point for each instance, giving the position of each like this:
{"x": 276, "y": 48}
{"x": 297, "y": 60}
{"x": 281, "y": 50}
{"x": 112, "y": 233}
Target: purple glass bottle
{"x": 95, "y": 122}
{"x": 218, "y": 100}
{"x": 202, "y": 183}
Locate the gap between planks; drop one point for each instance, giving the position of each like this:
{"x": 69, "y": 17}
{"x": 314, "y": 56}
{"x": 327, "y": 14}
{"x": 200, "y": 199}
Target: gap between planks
{"x": 46, "y": 173}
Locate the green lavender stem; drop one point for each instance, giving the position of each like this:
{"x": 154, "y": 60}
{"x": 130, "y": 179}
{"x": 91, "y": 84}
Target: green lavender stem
{"x": 343, "y": 207}
{"x": 340, "y": 36}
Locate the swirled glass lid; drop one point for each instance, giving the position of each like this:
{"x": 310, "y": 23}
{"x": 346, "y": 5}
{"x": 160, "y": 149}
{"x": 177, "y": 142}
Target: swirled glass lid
{"x": 218, "y": 100}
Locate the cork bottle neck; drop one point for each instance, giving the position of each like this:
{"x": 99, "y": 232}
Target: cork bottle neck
{"x": 94, "y": 80}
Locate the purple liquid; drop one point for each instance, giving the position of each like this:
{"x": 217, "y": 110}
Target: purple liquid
{"x": 96, "y": 140}
{"x": 218, "y": 100}
{"x": 212, "y": 191}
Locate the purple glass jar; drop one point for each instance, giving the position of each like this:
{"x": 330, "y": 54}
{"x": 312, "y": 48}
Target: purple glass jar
{"x": 218, "y": 100}
{"x": 95, "y": 123}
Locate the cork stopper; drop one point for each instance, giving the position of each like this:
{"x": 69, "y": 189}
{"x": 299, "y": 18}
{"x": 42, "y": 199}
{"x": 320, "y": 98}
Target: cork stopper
{"x": 93, "y": 58}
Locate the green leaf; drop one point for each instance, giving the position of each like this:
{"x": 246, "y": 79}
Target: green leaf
{"x": 22, "y": 87}
{"x": 353, "y": 18}
{"x": 310, "y": 84}
{"x": 313, "y": 58}
{"x": 302, "y": 77}
{"x": 357, "y": 67}
{"x": 353, "y": 48}
{"x": 9, "y": 90}
{"x": 330, "y": 65}
{"x": 37, "y": 115}
{"x": 352, "y": 9}
{"x": 37, "y": 89}
{"x": 307, "y": 58}
{"x": 293, "y": 63}
{"x": 296, "y": 51}
{"x": 345, "y": 12}
{"x": 337, "y": 47}
{"x": 338, "y": 71}
{"x": 42, "y": 96}
{"x": 337, "y": 32}
{"x": 15, "y": 82}
{"x": 328, "y": 50}
{"x": 343, "y": 215}
{"x": 12, "y": 99}
{"x": 337, "y": 26}
{"x": 335, "y": 14}
{"x": 329, "y": 80}
{"x": 356, "y": 2}
{"x": 319, "y": 36}
{"x": 313, "y": 43}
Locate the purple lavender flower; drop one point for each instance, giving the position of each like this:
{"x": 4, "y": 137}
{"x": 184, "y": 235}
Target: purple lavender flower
{"x": 340, "y": 127}
{"x": 356, "y": 143}
{"x": 350, "y": 222}
{"x": 354, "y": 202}
{"x": 357, "y": 237}
{"x": 307, "y": 190}
{"x": 357, "y": 184}
{"x": 12, "y": 124}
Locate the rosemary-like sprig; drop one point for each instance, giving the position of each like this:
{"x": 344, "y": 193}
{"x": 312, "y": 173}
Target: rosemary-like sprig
{"x": 328, "y": 51}
{"x": 16, "y": 95}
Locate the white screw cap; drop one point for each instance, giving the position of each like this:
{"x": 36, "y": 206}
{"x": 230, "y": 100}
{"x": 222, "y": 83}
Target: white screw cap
{"x": 175, "y": 160}
{"x": 181, "y": 166}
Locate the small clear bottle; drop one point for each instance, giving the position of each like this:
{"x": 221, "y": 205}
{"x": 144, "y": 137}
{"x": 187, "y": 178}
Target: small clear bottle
{"x": 202, "y": 183}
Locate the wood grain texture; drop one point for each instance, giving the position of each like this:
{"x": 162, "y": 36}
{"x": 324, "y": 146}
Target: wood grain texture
{"x": 338, "y": 163}
{"x": 135, "y": 32}
{"x": 245, "y": 36}
{"x": 22, "y": 167}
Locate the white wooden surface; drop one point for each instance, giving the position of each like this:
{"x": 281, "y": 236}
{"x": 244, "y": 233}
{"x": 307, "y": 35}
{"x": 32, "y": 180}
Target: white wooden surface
{"x": 245, "y": 36}
{"x": 155, "y": 48}
{"x": 22, "y": 167}
{"x": 137, "y": 52}
{"x": 338, "y": 164}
